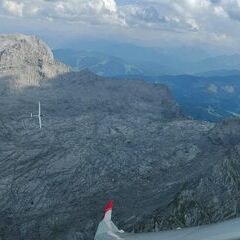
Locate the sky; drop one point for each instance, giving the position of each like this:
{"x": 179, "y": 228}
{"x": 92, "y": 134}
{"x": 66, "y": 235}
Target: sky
{"x": 155, "y": 23}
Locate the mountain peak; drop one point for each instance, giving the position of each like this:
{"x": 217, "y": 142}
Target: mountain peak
{"x": 29, "y": 58}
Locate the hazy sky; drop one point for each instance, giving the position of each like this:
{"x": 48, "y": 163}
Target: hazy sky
{"x": 212, "y": 23}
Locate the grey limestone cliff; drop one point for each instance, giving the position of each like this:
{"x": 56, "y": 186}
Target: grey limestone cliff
{"x": 28, "y": 60}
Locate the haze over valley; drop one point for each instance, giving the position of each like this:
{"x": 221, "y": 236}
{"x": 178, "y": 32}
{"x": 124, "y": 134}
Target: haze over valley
{"x": 206, "y": 86}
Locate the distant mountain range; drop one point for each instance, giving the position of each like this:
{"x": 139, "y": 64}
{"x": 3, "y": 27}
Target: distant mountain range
{"x": 98, "y": 63}
{"x": 111, "y": 59}
{"x": 149, "y": 62}
{"x": 219, "y": 65}
{"x": 222, "y": 73}
{"x": 211, "y": 98}
{"x": 209, "y": 90}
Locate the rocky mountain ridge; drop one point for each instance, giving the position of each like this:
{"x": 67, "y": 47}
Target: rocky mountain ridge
{"x": 27, "y": 59}
{"x": 110, "y": 139}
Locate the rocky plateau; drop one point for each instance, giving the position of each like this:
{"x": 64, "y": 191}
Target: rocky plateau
{"x": 104, "y": 139}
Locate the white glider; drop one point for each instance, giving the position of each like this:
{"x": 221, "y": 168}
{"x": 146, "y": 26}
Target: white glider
{"x": 39, "y": 116}
{"x": 229, "y": 230}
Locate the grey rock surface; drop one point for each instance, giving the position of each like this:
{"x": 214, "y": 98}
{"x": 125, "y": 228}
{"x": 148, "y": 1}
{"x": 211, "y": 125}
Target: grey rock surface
{"x": 110, "y": 139}
{"x": 28, "y": 59}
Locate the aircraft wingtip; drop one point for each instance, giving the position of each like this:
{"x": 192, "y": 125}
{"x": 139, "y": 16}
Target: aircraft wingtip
{"x": 109, "y": 206}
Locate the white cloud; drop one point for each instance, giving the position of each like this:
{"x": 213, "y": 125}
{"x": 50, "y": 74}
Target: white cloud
{"x": 13, "y": 7}
{"x": 219, "y": 11}
{"x": 193, "y": 20}
{"x": 106, "y": 12}
{"x": 232, "y": 8}
{"x": 193, "y": 24}
{"x": 109, "y": 5}
{"x": 95, "y": 11}
{"x": 152, "y": 15}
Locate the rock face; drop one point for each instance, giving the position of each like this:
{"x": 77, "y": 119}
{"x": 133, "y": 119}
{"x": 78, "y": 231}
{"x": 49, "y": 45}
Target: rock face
{"x": 110, "y": 139}
{"x": 209, "y": 189}
{"x": 28, "y": 59}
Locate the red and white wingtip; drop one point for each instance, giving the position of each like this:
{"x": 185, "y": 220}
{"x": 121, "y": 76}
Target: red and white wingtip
{"x": 106, "y": 227}
{"x": 108, "y": 207}
{"x": 108, "y": 210}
